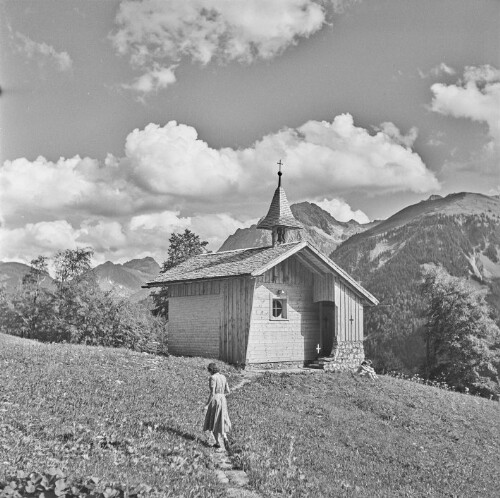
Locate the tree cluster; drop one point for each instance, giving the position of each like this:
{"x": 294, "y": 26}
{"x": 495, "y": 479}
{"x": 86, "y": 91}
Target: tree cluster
{"x": 396, "y": 333}
{"x": 462, "y": 340}
{"x": 72, "y": 308}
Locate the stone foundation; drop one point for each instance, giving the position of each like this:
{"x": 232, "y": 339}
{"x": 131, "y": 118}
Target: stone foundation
{"x": 345, "y": 356}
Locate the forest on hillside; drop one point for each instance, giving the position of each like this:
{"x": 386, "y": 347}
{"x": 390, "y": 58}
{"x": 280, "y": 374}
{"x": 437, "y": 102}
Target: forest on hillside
{"x": 395, "y": 329}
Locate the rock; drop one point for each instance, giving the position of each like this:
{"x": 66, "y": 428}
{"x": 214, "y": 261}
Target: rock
{"x": 221, "y": 476}
{"x": 238, "y": 477}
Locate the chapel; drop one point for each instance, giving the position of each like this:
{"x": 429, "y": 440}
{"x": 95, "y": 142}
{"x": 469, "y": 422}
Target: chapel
{"x": 286, "y": 304}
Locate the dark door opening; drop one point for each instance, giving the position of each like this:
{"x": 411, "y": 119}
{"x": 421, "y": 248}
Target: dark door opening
{"x": 327, "y": 327}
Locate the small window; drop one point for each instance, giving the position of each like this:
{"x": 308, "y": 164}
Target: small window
{"x": 278, "y": 311}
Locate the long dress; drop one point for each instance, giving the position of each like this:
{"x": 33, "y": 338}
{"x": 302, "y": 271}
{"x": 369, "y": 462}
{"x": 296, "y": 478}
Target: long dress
{"x": 217, "y": 417}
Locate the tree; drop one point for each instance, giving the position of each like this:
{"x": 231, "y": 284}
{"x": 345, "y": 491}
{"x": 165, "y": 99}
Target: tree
{"x": 73, "y": 265}
{"x": 27, "y": 309}
{"x": 37, "y": 273}
{"x": 77, "y": 289}
{"x": 182, "y": 247}
{"x": 75, "y": 309}
{"x": 463, "y": 342}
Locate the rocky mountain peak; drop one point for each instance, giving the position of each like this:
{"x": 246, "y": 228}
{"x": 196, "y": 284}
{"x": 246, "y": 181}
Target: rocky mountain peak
{"x": 320, "y": 229}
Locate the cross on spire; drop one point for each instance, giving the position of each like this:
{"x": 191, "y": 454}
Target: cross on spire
{"x": 279, "y": 163}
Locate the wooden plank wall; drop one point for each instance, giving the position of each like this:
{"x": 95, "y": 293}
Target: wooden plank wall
{"x": 349, "y": 305}
{"x": 205, "y": 288}
{"x": 235, "y": 319}
{"x": 194, "y": 325}
{"x": 295, "y": 338}
{"x": 324, "y": 287}
{"x": 291, "y": 271}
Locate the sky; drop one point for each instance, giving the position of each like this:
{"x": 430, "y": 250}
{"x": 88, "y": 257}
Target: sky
{"x": 124, "y": 121}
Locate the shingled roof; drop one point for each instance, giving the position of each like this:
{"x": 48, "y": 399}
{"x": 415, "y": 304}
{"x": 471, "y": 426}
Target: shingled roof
{"x": 223, "y": 264}
{"x": 254, "y": 262}
{"x": 279, "y": 213}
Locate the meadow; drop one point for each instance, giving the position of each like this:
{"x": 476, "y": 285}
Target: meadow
{"x": 125, "y": 418}
{"x": 339, "y": 435}
{"x": 118, "y": 421}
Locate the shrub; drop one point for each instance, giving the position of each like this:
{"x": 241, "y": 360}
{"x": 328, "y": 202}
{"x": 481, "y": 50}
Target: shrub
{"x": 56, "y": 483}
{"x": 75, "y": 310}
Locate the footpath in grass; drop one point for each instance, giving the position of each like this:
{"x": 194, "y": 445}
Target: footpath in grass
{"x": 337, "y": 435}
{"x": 116, "y": 415}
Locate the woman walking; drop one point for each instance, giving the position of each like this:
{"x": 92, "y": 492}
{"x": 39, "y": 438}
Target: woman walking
{"x": 216, "y": 418}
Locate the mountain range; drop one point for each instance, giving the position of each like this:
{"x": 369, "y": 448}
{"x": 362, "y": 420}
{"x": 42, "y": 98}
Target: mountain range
{"x": 124, "y": 280}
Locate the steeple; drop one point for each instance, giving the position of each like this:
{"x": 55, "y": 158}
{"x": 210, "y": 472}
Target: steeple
{"x": 279, "y": 218}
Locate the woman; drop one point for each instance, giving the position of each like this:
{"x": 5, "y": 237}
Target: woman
{"x": 216, "y": 418}
{"x": 366, "y": 369}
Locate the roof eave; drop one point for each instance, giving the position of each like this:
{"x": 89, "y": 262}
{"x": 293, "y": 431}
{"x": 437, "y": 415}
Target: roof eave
{"x": 371, "y": 299}
{"x": 150, "y": 285}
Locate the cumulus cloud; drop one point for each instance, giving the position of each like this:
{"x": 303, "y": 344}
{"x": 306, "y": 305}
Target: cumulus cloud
{"x": 80, "y": 187}
{"x": 476, "y": 96}
{"x": 438, "y": 70}
{"x": 320, "y": 157}
{"x": 392, "y": 131}
{"x": 26, "y": 242}
{"x": 119, "y": 241}
{"x": 154, "y": 80}
{"x": 167, "y": 221}
{"x": 172, "y": 160}
{"x": 206, "y": 30}
{"x": 169, "y": 180}
{"x": 341, "y": 211}
{"x": 42, "y": 52}
{"x": 323, "y": 157}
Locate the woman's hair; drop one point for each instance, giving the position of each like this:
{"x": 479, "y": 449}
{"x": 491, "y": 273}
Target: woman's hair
{"x": 213, "y": 368}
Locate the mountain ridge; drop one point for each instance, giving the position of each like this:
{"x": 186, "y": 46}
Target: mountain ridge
{"x": 124, "y": 280}
{"x": 320, "y": 229}
{"x": 459, "y": 232}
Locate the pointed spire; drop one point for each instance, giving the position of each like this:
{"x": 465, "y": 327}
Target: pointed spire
{"x": 280, "y": 216}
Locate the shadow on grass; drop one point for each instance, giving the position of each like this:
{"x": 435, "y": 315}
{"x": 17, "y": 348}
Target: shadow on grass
{"x": 185, "y": 435}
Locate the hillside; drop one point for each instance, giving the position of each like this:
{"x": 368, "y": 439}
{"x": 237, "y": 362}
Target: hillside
{"x": 460, "y": 232}
{"x": 320, "y": 228}
{"x": 131, "y": 419}
{"x": 11, "y": 276}
{"x": 126, "y": 280}
{"x": 123, "y": 280}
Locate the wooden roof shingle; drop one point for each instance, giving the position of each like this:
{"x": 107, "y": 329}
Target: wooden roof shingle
{"x": 223, "y": 264}
{"x": 279, "y": 213}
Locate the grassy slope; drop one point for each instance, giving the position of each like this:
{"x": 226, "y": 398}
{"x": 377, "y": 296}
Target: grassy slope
{"x": 58, "y": 402}
{"x": 336, "y": 435}
{"x": 300, "y": 435}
